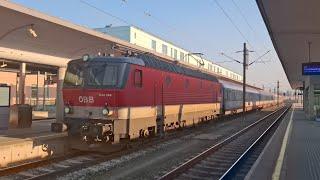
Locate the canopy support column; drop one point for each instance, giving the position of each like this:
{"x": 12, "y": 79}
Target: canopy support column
{"x": 22, "y": 78}
{"x": 59, "y": 98}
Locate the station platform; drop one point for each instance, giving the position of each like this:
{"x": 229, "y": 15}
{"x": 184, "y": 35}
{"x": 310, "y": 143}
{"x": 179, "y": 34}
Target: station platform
{"x": 30, "y": 144}
{"x": 293, "y": 152}
{"x": 38, "y": 128}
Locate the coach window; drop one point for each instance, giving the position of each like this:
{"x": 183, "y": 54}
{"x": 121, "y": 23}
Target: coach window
{"x": 138, "y": 78}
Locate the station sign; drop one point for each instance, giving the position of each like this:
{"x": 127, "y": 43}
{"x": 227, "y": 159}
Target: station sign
{"x": 4, "y": 106}
{"x": 312, "y": 68}
{"x": 4, "y": 96}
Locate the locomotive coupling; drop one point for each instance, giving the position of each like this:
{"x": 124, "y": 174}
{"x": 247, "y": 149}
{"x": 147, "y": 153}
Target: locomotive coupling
{"x": 96, "y": 132}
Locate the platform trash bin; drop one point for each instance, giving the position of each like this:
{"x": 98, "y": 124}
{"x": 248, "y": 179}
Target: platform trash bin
{"x": 20, "y": 116}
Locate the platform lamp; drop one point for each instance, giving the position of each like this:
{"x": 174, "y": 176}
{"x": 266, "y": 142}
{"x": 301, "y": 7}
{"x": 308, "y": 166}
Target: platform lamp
{"x": 29, "y": 28}
{"x": 3, "y": 65}
{"x": 31, "y": 31}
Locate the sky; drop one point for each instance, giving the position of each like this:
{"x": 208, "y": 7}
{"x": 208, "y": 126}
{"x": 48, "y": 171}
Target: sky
{"x": 208, "y": 26}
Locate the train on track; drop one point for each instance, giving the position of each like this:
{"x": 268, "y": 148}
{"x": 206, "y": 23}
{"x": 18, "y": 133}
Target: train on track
{"x": 110, "y": 99}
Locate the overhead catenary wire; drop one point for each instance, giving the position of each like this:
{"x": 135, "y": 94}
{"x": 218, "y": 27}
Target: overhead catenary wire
{"x": 171, "y": 28}
{"x": 247, "y": 22}
{"x": 257, "y": 60}
{"x": 116, "y": 17}
{"x": 108, "y": 14}
{"x": 105, "y": 12}
{"x": 250, "y": 26}
{"x": 232, "y": 22}
{"x": 152, "y": 16}
{"x": 240, "y": 32}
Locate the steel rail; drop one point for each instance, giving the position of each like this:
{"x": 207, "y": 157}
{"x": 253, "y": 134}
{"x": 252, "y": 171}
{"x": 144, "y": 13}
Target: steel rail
{"x": 229, "y": 172}
{"x": 190, "y": 163}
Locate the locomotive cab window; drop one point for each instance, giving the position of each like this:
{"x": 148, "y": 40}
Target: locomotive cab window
{"x": 95, "y": 74}
{"x": 138, "y": 78}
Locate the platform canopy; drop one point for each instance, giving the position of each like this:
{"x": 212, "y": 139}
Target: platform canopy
{"x": 291, "y": 25}
{"x": 30, "y": 36}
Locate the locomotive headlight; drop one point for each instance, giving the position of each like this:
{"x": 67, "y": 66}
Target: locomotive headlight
{"x": 67, "y": 110}
{"x": 105, "y": 111}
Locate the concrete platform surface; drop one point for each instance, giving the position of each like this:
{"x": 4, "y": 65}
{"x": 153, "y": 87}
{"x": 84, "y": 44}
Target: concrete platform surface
{"x": 38, "y": 128}
{"x": 293, "y": 152}
{"x": 31, "y": 144}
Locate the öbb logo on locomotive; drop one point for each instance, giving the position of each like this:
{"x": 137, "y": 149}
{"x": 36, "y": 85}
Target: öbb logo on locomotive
{"x": 86, "y": 99}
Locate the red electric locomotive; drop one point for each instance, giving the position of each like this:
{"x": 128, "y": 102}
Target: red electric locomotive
{"x": 108, "y": 99}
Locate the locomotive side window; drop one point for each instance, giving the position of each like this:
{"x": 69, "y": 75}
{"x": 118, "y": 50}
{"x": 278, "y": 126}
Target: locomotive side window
{"x": 138, "y": 78}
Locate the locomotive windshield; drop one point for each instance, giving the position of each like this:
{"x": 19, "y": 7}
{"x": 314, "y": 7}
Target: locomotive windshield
{"x": 74, "y": 75}
{"x": 103, "y": 74}
{"x": 95, "y": 74}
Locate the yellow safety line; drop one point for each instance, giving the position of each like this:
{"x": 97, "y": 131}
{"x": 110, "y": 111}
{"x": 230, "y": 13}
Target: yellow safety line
{"x": 277, "y": 170}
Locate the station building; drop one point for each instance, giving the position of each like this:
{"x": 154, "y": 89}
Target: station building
{"x": 152, "y": 42}
{"x": 37, "y": 92}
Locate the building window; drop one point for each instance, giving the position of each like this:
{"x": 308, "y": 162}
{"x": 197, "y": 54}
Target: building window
{"x": 175, "y": 56}
{"x": 214, "y": 69}
{"x": 154, "y": 45}
{"x": 135, "y": 35}
{"x": 187, "y": 58}
{"x": 164, "y": 49}
{"x": 181, "y": 56}
{"x": 138, "y": 78}
{"x": 48, "y": 92}
{"x": 198, "y": 63}
{"x": 34, "y": 91}
{"x": 210, "y": 67}
{"x": 171, "y": 53}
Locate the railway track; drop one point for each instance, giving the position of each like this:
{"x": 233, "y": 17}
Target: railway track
{"x": 227, "y": 159}
{"x": 78, "y": 160}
